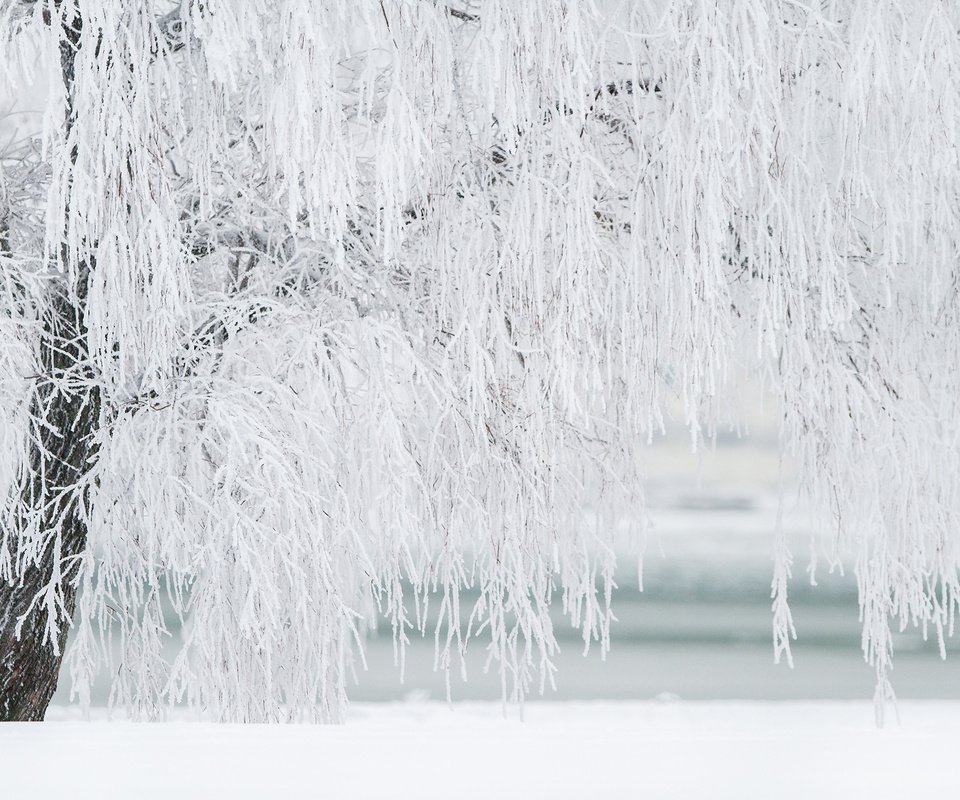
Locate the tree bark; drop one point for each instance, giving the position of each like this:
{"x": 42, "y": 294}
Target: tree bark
{"x": 65, "y": 413}
{"x": 29, "y": 661}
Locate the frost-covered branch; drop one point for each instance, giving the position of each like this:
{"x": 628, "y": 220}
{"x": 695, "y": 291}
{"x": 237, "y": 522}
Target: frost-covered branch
{"x": 377, "y": 302}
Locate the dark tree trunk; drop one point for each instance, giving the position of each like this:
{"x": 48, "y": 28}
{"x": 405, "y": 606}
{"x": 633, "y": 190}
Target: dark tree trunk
{"x": 29, "y": 661}
{"x": 65, "y": 411}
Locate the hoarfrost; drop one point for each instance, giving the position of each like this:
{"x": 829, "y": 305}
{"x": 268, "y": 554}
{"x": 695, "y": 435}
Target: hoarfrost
{"x": 386, "y": 293}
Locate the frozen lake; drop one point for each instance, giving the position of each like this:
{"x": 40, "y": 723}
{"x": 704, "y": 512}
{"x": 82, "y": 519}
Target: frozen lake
{"x": 701, "y": 632}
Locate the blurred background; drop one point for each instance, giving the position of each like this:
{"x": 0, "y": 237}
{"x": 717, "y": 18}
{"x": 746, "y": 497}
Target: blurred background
{"x": 701, "y": 628}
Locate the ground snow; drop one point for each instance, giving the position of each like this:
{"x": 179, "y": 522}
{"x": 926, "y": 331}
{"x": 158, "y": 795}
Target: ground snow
{"x": 561, "y": 750}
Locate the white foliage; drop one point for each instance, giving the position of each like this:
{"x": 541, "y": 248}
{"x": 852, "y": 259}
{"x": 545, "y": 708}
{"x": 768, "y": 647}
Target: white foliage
{"x": 385, "y": 294}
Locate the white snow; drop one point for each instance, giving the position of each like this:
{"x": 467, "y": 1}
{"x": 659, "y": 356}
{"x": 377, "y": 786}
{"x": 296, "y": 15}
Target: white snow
{"x": 561, "y": 750}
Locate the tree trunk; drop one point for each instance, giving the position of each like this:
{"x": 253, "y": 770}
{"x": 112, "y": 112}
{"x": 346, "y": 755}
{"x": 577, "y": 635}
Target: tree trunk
{"x": 65, "y": 414}
{"x": 29, "y": 661}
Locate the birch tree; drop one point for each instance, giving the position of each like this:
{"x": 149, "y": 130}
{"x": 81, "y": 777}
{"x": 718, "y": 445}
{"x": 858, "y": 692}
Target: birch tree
{"x": 317, "y": 313}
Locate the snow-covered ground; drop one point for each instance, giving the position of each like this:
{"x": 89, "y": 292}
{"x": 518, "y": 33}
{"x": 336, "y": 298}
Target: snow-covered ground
{"x": 561, "y": 750}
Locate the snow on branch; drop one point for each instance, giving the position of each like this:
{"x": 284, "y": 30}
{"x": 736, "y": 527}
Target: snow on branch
{"x": 378, "y": 305}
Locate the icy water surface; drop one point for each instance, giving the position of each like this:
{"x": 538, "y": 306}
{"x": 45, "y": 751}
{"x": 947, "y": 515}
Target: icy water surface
{"x": 697, "y": 635}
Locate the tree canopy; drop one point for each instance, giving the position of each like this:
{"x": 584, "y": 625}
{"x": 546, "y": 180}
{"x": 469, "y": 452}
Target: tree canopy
{"x": 378, "y": 300}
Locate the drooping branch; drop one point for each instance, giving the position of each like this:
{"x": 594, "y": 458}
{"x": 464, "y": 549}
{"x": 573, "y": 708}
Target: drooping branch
{"x": 460, "y": 14}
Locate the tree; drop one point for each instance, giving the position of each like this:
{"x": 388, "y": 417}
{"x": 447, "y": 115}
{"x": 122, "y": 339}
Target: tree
{"x": 322, "y": 306}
